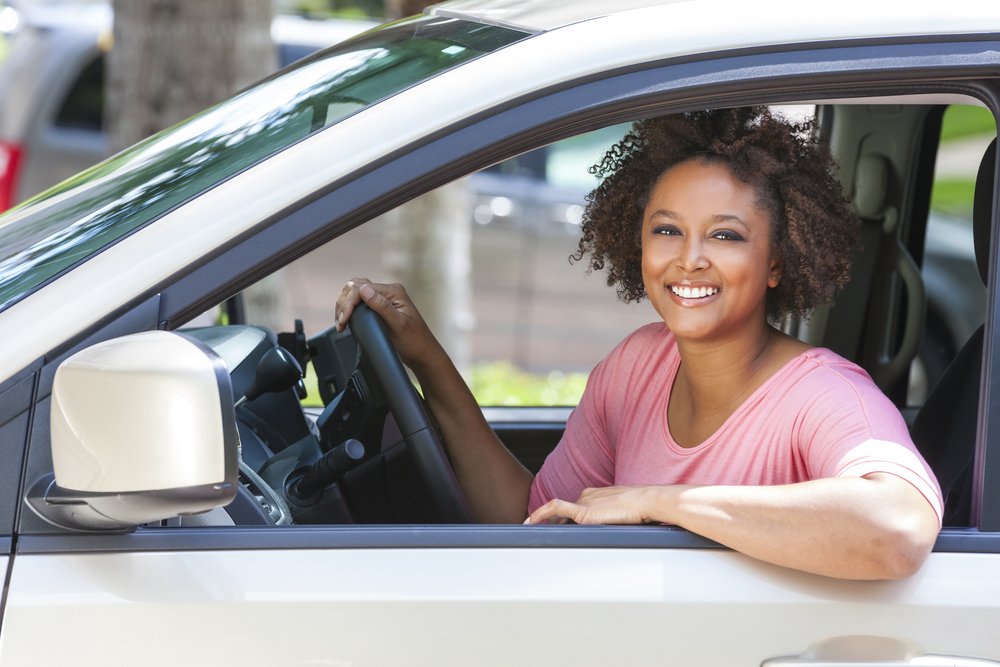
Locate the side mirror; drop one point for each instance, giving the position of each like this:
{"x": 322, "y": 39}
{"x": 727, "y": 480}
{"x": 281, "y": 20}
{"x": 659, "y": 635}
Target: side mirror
{"x": 142, "y": 429}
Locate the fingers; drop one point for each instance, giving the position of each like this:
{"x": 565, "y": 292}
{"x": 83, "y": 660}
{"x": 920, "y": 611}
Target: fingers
{"x": 389, "y": 301}
{"x": 349, "y": 297}
{"x": 561, "y": 510}
{"x": 377, "y": 301}
{"x": 607, "y": 505}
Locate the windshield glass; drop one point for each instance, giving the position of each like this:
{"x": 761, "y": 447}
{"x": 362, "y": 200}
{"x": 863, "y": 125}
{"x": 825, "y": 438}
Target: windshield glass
{"x": 77, "y": 218}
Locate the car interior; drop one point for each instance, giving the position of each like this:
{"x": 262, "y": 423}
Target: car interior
{"x": 912, "y": 316}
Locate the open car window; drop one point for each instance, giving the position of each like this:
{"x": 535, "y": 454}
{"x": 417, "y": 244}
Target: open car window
{"x": 526, "y": 326}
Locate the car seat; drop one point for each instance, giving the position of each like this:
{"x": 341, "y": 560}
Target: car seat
{"x": 945, "y": 428}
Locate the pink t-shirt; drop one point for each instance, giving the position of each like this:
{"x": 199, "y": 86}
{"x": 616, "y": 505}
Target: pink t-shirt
{"x": 818, "y": 416}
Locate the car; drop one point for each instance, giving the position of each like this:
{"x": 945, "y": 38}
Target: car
{"x": 147, "y": 517}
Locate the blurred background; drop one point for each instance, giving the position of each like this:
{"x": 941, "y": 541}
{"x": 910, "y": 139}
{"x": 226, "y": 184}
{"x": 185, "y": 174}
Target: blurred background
{"x": 486, "y": 259}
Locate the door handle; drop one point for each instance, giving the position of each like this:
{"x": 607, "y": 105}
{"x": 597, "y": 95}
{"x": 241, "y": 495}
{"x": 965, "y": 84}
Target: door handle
{"x": 871, "y": 651}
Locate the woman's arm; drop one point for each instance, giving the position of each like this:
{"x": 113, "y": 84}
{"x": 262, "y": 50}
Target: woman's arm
{"x": 495, "y": 484}
{"x": 873, "y": 527}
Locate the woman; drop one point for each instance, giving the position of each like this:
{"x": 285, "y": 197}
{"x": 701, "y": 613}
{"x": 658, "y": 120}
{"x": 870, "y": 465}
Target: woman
{"x": 712, "y": 420}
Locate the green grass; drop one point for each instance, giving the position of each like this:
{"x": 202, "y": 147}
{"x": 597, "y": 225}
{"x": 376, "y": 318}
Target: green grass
{"x": 312, "y": 388}
{"x": 503, "y": 383}
{"x": 966, "y": 121}
{"x": 500, "y": 383}
{"x": 953, "y": 197}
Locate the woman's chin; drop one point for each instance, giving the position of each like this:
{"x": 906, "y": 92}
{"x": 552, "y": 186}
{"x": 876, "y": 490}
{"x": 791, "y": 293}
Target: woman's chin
{"x": 689, "y": 328}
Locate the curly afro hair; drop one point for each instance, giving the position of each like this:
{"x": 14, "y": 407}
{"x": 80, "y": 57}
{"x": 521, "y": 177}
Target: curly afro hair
{"x": 812, "y": 227}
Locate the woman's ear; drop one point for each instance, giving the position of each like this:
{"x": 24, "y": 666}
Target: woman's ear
{"x": 774, "y": 275}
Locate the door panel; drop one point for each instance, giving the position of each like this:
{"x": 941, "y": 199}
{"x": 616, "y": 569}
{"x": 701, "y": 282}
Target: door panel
{"x": 475, "y": 606}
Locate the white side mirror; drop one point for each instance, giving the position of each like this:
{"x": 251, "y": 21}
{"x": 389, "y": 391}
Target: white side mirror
{"x": 142, "y": 429}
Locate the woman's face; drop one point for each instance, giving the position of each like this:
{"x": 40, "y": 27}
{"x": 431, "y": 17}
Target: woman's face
{"x": 702, "y": 234}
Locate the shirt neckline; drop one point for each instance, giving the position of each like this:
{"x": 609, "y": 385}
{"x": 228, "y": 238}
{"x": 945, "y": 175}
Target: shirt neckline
{"x": 795, "y": 361}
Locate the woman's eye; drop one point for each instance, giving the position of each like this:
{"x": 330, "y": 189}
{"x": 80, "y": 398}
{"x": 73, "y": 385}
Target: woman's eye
{"x": 667, "y": 230}
{"x": 727, "y": 236}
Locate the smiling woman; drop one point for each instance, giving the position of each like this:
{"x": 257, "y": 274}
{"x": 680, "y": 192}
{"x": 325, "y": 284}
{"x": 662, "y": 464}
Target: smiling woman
{"x": 792, "y": 184}
{"x": 715, "y": 420}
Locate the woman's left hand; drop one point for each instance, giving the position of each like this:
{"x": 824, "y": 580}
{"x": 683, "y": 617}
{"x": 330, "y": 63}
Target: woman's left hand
{"x": 611, "y": 504}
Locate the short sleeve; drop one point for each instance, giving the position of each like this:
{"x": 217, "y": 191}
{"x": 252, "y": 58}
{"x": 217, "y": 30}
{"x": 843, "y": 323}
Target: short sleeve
{"x": 851, "y": 430}
{"x": 584, "y": 457}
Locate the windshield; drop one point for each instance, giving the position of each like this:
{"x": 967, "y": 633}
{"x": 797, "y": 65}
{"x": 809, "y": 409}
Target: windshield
{"x": 77, "y": 218}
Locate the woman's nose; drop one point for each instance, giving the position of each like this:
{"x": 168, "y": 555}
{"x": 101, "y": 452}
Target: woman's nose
{"x": 692, "y": 257}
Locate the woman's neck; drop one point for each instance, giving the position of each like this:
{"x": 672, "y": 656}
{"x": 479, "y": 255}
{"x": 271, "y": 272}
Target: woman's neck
{"x": 716, "y": 377}
{"x": 715, "y": 370}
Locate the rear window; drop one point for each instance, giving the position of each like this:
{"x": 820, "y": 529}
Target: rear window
{"x": 77, "y": 218}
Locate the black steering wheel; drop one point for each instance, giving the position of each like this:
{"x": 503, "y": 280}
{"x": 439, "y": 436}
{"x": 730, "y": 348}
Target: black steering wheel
{"x": 411, "y": 417}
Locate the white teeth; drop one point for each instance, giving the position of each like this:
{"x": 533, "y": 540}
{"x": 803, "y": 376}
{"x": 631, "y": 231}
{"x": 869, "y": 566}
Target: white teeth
{"x": 695, "y": 293}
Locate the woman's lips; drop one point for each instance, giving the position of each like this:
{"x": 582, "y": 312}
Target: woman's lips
{"x": 692, "y": 295}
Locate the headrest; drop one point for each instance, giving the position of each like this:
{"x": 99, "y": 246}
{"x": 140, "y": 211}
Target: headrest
{"x": 982, "y": 208}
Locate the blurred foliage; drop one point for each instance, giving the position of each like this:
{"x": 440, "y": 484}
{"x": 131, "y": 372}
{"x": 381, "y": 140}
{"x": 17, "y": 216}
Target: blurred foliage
{"x": 312, "y": 387}
{"x": 342, "y": 8}
{"x": 965, "y": 121}
{"x": 501, "y": 383}
{"x": 953, "y": 197}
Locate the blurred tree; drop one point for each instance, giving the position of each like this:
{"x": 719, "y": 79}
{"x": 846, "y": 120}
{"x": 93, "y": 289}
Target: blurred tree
{"x": 397, "y": 9}
{"x": 428, "y": 248}
{"x": 172, "y": 59}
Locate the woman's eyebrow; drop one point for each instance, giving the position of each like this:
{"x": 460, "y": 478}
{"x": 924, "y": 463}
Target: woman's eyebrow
{"x": 719, "y": 217}
{"x": 666, "y": 214}
{"x": 722, "y": 217}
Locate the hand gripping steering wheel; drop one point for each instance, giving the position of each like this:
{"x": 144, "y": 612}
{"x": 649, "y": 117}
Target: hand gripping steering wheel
{"x": 411, "y": 417}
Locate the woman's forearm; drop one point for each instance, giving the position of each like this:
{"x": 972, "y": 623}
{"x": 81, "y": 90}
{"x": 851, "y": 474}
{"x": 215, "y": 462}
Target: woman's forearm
{"x": 495, "y": 484}
{"x": 874, "y": 527}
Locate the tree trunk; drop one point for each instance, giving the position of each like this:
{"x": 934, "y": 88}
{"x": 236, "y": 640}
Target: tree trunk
{"x": 397, "y": 9}
{"x": 172, "y": 59}
{"x": 428, "y": 248}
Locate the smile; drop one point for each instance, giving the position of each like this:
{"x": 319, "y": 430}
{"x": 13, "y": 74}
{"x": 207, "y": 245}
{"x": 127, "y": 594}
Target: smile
{"x": 694, "y": 292}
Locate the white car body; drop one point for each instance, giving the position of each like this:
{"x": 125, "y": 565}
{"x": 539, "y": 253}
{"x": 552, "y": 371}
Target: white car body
{"x": 457, "y": 595}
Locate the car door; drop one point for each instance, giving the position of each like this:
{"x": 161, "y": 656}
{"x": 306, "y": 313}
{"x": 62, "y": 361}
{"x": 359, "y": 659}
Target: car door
{"x": 343, "y": 595}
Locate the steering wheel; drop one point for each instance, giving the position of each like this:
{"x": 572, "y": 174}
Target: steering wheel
{"x": 411, "y": 417}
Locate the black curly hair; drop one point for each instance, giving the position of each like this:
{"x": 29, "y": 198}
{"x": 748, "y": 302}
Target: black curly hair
{"x": 812, "y": 226}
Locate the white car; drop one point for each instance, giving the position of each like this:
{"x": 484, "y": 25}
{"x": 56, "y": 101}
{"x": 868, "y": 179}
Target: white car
{"x": 375, "y": 561}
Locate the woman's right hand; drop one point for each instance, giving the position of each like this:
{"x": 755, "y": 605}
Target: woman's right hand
{"x": 409, "y": 333}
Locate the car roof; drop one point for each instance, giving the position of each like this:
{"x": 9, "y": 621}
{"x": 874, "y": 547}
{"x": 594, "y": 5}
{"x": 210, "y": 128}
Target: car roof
{"x": 772, "y": 22}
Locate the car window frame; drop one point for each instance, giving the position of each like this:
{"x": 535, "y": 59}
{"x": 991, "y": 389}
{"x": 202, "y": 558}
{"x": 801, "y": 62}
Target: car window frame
{"x": 892, "y": 67}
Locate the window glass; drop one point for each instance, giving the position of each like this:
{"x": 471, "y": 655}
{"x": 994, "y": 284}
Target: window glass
{"x": 77, "y": 218}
